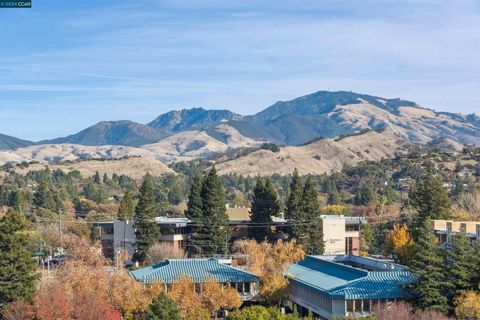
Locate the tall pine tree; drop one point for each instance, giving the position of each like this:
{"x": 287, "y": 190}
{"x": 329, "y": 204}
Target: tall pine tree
{"x": 126, "y": 211}
{"x": 310, "y": 206}
{"x": 146, "y": 229}
{"x": 464, "y": 265}
{"x": 215, "y": 214}
{"x": 194, "y": 212}
{"x": 43, "y": 197}
{"x": 264, "y": 206}
{"x": 294, "y": 213}
{"x": 430, "y": 199}
{"x": 106, "y": 180}
{"x": 195, "y": 203}
{"x": 96, "y": 178}
{"x": 18, "y": 275}
{"x": 429, "y": 290}
{"x": 211, "y": 234}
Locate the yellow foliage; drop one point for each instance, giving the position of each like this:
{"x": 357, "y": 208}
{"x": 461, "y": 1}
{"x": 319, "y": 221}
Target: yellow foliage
{"x": 211, "y": 297}
{"x": 467, "y": 305}
{"x": 182, "y": 292}
{"x": 127, "y": 295}
{"x": 88, "y": 272}
{"x": 335, "y": 209}
{"x": 400, "y": 243}
{"x": 270, "y": 263}
{"x": 461, "y": 215}
{"x": 216, "y": 297}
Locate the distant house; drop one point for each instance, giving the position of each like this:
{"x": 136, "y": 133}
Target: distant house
{"x": 171, "y": 270}
{"x": 341, "y": 286}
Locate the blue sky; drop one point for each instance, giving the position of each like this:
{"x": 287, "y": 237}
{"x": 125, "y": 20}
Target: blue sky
{"x": 65, "y": 65}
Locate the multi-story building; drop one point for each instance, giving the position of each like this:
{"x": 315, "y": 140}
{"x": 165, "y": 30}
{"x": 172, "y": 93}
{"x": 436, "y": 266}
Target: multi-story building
{"x": 341, "y": 234}
{"x": 116, "y": 235}
{"x": 343, "y": 286}
{"x": 446, "y": 229}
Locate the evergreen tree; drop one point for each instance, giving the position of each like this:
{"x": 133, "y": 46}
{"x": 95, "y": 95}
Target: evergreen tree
{"x": 162, "y": 308}
{"x": 215, "y": 212}
{"x": 458, "y": 187}
{"x": 195, "y": 203}
{"x": 333, "y": 197}
{"x": 365, "y": 195}
{"x": 43, "y": 197}
{"x": 464, "y": 266}
{"x": 211, "y": 228}
{"x": 106, "y": 180}
{"x": 146, "y": 229}
{"x": 59, "y": 206}
{"x": 16, "y": 199}
{"x": 310, "y": 207}
{"x": 429, "y": 289}
{"x": 126, "y": 211}
{"x": 264, "y": 206}
{"x": 94, "y": 192}
{"x": 194, "y": 212}
{"x": 430, "y": 199}
{"x": 294, "y": 213}
{"x": 18, "y": 276}
{"x": 96, "y": 178}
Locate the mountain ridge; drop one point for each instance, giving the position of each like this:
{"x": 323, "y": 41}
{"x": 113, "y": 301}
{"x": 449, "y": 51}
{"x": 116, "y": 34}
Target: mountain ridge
{"x": 12, "y": 143}
{"x": 293, "y": 122}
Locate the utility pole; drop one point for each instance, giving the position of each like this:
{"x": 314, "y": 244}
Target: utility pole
{"x": 359, "y": 235}
{"x": 60, "y": 233}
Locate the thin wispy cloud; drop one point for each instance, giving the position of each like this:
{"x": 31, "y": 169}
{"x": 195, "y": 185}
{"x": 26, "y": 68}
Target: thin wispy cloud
{"x": 135, "y": 60}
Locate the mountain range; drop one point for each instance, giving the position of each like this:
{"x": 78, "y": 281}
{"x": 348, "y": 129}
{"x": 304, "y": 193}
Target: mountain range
{"x": 195, "y": 133}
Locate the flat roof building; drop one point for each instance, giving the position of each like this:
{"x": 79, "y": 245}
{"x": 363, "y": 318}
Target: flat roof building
{"x": 446, "y": 229}
{"x": 341, "y": 286}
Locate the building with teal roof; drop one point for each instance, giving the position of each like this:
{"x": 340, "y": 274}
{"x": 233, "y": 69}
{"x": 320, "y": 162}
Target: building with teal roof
{"x": 340, "y": 286}
{"x": 199, "y": 270}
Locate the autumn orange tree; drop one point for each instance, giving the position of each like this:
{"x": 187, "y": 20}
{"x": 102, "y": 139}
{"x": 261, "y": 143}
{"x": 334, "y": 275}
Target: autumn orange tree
{"x": 88, "y": 273}
{"x": 400, "y": 244}
{"x": 209, "y": 297}
{"x": 182, "y": 292}
{"x": 86, "y": 287}
{"x": 270, "y": 261}
{"x": 216, "y": 297}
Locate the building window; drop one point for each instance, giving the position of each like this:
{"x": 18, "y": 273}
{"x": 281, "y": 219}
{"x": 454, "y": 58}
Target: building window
{"x": 241, "y": 287}
{"x": 349, "y": 305}
{"x": 107, "y": 230}
{"x": 366, "y": 306}
{"x": 198, "y": 288}
{"x": 348, "y": 245}
{"x": 358, "y": 305}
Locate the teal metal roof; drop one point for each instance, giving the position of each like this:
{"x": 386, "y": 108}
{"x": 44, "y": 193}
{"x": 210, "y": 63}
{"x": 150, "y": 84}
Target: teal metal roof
{"x": 339, "y": 281}
{"x": 197, "y": 269}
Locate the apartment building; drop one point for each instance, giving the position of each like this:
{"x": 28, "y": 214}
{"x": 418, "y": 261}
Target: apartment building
{"x": 341, "y": 234}
{"x": 446, "y": 229}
